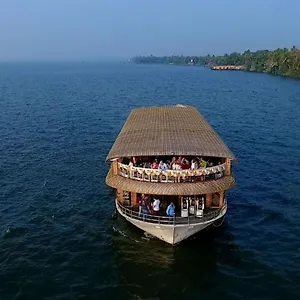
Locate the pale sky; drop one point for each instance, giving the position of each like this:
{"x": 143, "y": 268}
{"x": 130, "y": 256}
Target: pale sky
{"x": 108, "y": 29}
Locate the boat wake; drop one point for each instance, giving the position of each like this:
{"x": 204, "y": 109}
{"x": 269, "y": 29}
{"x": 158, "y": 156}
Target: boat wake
{"x": 121, "y": 232}
{"x": 148, "y": 236}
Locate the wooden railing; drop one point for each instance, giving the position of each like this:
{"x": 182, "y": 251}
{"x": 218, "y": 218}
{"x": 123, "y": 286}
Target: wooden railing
{"x": 167, "y": 176}
{"x": 190, "y": 220}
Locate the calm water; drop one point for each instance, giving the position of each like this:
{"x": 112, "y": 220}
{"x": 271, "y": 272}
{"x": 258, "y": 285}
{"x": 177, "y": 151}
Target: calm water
{"x": 57, "y": 239}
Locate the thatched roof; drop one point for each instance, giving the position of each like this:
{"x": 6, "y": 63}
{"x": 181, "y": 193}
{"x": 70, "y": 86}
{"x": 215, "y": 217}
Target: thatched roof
{"x": 152, "y": 188}
{"x": 168, "y": 130}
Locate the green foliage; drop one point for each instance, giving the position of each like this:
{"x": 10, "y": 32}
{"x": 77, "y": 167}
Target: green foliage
{"x": 278, "y": 62}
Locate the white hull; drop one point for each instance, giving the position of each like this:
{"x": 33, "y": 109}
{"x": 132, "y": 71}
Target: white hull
{"x": 172, "y": 234}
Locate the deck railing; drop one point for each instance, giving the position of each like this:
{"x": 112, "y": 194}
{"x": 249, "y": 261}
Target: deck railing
{"x": 167, "y": 176}
{"x": 190, "y": 220}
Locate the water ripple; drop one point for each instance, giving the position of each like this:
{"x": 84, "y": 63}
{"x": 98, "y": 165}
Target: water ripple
{"x": 57, "y": 240}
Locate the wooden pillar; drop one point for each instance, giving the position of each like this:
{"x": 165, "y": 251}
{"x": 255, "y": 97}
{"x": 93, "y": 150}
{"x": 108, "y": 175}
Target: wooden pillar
{"x": 120, "y": 195}
{"x": 228, "y": 166}
{"x": 134, "y": 201}
{"x": 179, "y": 203}
{"x": 115, "y": 167}
{"x": 208, "y": 200}
{"x": 221, "y": 201}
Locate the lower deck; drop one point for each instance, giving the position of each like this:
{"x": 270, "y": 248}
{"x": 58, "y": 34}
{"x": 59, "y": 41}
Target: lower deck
{"x": 193, "y": 209}
{"x": 210, "y": 215}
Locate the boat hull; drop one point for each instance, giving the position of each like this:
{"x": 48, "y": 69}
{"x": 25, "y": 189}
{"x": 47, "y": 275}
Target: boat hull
{"x": 170, "y": 233}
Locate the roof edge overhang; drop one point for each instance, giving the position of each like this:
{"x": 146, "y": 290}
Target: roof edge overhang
{"x": 112, "y": 158}
{"x": 194, "y": 188}
{"x": 159, "y": 120}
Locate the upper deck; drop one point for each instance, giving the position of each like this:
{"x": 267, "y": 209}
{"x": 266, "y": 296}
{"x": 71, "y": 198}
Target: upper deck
{"x": 179, "y": 138}
{"x": 167, "y": 172}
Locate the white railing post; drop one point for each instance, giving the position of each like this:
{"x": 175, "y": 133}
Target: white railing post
{"x": 124, "y": 170}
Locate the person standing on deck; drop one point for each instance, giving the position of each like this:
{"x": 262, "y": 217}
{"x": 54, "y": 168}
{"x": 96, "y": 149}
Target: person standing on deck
{"x": 156, "y": 206}
{"x": 145, "y": 206}
{"x": 140, "y": 204}
{"x": 171, "y": 210}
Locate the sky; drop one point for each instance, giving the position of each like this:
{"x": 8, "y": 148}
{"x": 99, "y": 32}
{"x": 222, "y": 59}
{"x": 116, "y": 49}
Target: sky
{"x": 118, "y": 29}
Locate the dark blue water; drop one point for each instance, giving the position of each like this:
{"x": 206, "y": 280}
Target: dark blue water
{"x": 57, "y": 240}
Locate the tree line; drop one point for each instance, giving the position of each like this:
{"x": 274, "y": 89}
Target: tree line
{"x": 278, "y": 62}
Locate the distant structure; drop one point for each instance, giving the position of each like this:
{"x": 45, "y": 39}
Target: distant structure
{"x": 235, "y": 68}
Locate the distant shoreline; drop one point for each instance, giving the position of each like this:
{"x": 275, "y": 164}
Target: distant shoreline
{"x": 284, "y": 62}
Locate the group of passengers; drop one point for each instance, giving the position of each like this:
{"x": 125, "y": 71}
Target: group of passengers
{"x": 177, "y": 163}
{"x": 148, "y": 206}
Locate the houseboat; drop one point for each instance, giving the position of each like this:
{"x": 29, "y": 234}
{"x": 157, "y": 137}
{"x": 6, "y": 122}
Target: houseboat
{"x": 171, "y": 171}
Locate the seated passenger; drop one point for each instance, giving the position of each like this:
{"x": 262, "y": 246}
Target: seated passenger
{"x": 194, "y": 164}
{"x": 185, "y": 164}
{"x": 185, "y": 161}
{"x": 176, "y": 166}
{"x": 168, "y": 163}
{"x": 131, "y": 163}
{"x": 154, "y": 165}
{"x": 147, "y": 165}
{"x": 172, "y": 162}
{"x": 134, "y": 160}
{"x": 203, "y": 163}
{"x": 162, "y": 166}
{"x": 179, "y": 160}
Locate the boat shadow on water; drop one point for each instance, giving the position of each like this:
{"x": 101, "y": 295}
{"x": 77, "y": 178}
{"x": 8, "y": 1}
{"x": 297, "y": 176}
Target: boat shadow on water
{"x": 150, "y": 269}
{"x": 144, "y": 262}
